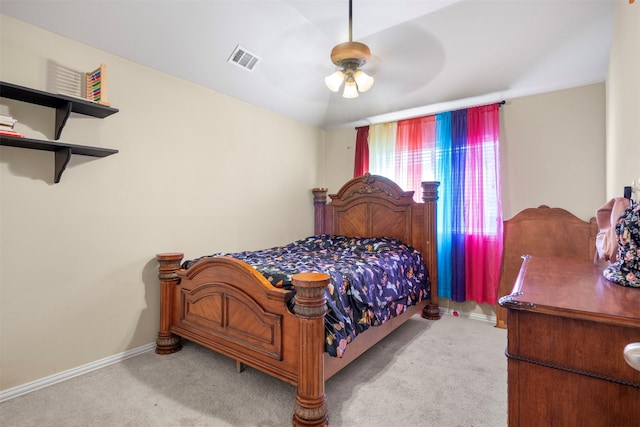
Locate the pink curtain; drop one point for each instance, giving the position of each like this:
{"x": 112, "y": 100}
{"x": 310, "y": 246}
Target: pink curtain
{"x": 362, "y": 152}
{"x": 483, "y": 237}
{"x": 415, "y": 140}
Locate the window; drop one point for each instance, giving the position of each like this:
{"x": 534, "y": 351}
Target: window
{"x": 461, "y": 150}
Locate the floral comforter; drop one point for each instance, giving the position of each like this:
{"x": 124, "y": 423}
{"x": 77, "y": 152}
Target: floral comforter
{"x": 372, "y": 279}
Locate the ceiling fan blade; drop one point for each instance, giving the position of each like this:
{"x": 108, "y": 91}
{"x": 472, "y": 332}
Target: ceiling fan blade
{"x": 401, "y": 65}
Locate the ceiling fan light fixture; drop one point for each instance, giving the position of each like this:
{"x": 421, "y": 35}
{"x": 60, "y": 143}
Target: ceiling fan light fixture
{"x": 334, "y": 81}
{"x": 350, "y": 89}
{"x": 350, "y": 56}
{"x": 363, "y": 80}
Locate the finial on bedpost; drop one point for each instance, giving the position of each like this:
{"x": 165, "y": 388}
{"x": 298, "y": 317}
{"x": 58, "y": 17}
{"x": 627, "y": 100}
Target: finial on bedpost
{"x": 169, "y": 264}
{"x": 310, "y": 306}
{"x": 430, "y": 198}
{"x": 430, "y": 191}
{"x": 319, "y": 202}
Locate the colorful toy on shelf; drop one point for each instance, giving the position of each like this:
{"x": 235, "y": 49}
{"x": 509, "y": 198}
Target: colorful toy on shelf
{"x": 96, "y": 85}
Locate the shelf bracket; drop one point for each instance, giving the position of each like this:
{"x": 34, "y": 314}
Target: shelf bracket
{"x": 62, "y": 160}
{"x": 62, "y": 114}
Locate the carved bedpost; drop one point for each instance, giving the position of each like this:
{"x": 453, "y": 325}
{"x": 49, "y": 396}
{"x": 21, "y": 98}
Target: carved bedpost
{"x": 310, "y": 305}
{"x": 430, "y": 197}
{"x": 319, "y": 202}
{"x": 167, "y": 342}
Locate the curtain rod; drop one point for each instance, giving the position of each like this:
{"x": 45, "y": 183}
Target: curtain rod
{"x": 500, "y": 104}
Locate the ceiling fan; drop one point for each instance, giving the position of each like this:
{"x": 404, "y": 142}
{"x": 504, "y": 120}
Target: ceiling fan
{"x": 350, "y": 56}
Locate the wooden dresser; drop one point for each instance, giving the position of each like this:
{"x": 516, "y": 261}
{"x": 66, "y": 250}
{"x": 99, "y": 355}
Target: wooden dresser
{"x": 567, "y": 329}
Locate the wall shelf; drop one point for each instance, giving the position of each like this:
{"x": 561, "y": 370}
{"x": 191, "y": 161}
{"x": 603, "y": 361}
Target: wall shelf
{"x": 62, "y": 150}
{"x": 64, "y": 105}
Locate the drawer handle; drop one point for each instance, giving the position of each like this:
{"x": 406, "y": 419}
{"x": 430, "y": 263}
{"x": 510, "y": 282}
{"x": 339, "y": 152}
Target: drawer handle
{"x": 632, "y": 355}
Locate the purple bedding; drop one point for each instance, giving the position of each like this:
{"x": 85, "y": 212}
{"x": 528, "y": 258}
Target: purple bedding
{"x": 372, "y": 279}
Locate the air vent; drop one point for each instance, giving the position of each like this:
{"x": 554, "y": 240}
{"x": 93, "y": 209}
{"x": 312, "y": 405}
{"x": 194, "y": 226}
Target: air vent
{"x": 243, "y": 58}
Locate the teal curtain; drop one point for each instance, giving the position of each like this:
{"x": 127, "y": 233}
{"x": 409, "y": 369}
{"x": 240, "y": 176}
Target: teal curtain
{"x": 445, "y": 204}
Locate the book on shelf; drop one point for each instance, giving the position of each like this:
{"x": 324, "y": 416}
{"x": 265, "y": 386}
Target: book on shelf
{"x": 7, "y": 121}
{"x": 6, "y": 126}
{"x": 11, "y": 132}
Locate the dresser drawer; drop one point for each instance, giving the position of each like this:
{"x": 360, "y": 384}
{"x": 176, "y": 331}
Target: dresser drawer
{"x": 579, "y": 345}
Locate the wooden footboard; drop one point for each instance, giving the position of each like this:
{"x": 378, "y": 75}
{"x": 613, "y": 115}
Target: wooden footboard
{"x": 227, "y": 306}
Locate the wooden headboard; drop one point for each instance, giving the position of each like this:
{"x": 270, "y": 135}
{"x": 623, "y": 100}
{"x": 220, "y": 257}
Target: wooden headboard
{"x": 375, "y": 206}
{"x": 542, "y": 231}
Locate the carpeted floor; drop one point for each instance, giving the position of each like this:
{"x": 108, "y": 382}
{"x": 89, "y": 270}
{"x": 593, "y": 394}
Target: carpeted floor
{"x": 445, "y": 373}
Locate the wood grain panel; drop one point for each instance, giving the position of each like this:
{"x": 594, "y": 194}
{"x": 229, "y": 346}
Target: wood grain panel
{"x": 544, "y": 232}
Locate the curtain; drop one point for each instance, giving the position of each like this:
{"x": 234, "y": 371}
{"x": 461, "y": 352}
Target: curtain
{"x": 414, "y": 153}
{"x": 461, "y": 150}
{"x": 382, "y": 143}
{"x": 483, "y": 237}
{"x": 457, "y": 176}
{"x": 444, "y": 214}
{"x": 362, "y": 152}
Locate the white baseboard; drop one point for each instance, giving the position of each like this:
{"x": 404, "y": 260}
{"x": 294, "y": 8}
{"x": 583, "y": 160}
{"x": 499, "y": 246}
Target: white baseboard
{"x": 71, "y": 373}
{"x": 469, "y": 315}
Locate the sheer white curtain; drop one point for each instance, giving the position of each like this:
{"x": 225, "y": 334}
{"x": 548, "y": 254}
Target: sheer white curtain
{"x": 382, "y": 147}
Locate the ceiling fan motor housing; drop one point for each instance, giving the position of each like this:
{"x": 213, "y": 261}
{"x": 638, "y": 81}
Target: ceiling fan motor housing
{"x": 350, "y": 52}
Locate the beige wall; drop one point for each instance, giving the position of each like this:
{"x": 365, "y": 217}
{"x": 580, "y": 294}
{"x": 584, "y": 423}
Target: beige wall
{"x": 623, "y": 101}
{"x": 78, "y": 275}
{"x": 339, "y": 157}
{"x": 552, "y": 148}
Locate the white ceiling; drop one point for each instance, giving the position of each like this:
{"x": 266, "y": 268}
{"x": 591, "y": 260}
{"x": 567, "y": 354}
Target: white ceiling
{"x": 425, "y": 53}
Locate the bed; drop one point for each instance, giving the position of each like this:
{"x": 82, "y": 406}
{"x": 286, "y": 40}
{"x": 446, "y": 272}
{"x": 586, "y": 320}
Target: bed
{"x": 544, "y": 232}
{"x": 280, "y": 326}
